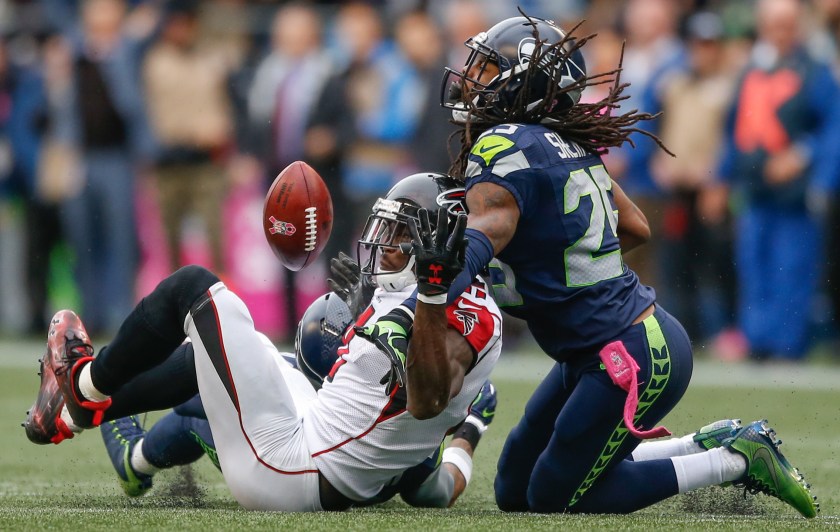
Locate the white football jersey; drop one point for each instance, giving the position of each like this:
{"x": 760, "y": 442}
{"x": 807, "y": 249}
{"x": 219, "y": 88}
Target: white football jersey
{"x": 359, "y": 437}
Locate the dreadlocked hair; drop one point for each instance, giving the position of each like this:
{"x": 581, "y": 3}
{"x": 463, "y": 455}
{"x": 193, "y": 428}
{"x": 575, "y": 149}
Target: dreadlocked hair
{"x": 591, "y": 125}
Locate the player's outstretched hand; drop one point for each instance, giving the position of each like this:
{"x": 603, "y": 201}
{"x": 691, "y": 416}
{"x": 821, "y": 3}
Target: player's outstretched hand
{"x": 390, "y": 334}
{"x": 439, "y": 256}
{"x": 348, "y": 283}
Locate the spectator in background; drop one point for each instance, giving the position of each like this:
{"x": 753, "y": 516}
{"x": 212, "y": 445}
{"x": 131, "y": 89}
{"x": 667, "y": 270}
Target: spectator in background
{"x": 420, "y": 42}
{"x": 697, "y": 277}
{"x": 191, "y": 117}
{"x": 825, "y": 197}
{"x": 22, "y": 99}
{"x": 363, "y": 120}
{"x": 462, "y": 19}
{"x": 781, "y": 138}
{"x": 285, "y": 87}
{"x": 103, "y": 117}
{"x": 653, "y": 50}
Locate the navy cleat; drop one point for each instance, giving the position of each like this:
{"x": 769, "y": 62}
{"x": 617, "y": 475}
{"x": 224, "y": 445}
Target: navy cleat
{"x": 483, "y": 408}
{"x": 713, "y": 435}
{"x": 768, "y": 471}
{"x": 120, "y": 437}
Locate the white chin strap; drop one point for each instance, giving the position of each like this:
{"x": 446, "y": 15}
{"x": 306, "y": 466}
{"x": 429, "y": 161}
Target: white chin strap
{"x": 397, "y": 281}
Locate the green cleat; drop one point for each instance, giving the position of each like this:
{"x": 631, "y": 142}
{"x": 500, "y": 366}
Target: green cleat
{"x": 120, "y": 437}
{"x": 713, "y": 435}
{"x": 768, "y": 471}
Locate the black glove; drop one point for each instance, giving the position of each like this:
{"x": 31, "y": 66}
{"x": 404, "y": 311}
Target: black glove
{"x": 390, "y": 334}
{"x": 439, "y": 258}
{"x": 349, "y": 284}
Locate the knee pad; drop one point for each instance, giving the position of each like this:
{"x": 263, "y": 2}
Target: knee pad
{"x": 188, "y": 284}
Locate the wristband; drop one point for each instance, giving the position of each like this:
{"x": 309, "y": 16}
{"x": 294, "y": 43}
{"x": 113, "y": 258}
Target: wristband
{"x": 439, "y": 299}
{"x": 460, "y": 459}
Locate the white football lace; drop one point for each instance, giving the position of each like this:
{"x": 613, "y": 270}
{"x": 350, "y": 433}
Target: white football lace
{"x": 311, "y": 229}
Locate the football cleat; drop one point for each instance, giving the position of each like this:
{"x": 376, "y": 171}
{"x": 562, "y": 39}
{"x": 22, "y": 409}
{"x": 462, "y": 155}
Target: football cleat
{"x": 68, "y": 350}
{"x": 768, "y": 471}
{"x": 43, "y": 423}
{"x": 713, "y": 435}
{"x": 120, "y": 437}
{"x": 483, "y": 408}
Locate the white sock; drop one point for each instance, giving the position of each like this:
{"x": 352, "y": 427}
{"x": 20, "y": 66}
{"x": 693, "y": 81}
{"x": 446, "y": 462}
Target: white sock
{"x": 460, "y": 459}
{"x": 709, "y": 468}
{"x": 139, "y": 462}
{"x": 86, "y": 386}
{"x": 65, "y": 416}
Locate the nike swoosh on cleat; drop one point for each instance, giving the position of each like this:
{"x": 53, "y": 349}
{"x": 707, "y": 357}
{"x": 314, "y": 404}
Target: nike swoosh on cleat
{"x": 766, "y": 457}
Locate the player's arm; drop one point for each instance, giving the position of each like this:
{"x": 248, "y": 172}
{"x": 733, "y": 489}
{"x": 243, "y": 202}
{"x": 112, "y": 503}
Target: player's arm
{"x": 438, "y": 358}
{"x": 633, "y": 228}
{"x": 494, "y": 212}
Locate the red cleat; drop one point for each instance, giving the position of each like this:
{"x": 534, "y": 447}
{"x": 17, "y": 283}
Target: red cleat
{"x": 43, "y": 423}
{"x": 68, "y": 349}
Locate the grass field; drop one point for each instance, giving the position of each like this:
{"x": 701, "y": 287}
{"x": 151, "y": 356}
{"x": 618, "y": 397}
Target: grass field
{"x": 71, "y": 486}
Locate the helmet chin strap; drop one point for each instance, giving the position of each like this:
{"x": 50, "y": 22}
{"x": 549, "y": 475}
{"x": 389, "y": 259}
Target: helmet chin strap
{"x": 397, "y": 281}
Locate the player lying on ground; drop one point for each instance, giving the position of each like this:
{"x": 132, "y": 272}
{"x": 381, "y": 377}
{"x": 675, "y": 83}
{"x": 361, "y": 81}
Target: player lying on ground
{"x": 183, "y": 436}
{"x": 281, "y": 446}
{"x": 541, "y": 201}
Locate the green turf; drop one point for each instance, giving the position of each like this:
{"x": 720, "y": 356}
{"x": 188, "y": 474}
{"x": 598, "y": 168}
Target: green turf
{"x": 71, "y": 486}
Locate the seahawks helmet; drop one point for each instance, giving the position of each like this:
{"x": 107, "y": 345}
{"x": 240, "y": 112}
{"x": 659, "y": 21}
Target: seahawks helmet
{"x": 319, "y": 335}
{"x": 511, "y": 44}
{"x": 387, "y": 226}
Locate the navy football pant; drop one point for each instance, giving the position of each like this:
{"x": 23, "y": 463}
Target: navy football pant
{"x": 570, "y": 451}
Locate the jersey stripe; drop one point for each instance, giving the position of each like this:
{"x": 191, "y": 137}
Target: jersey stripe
{"x": 209, "y": 327}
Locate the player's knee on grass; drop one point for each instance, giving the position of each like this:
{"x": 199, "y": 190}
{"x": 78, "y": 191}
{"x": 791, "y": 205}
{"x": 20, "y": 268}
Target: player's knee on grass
{"x": 435, "y": 492}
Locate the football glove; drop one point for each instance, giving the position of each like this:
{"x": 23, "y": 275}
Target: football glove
{"x": 390, "y": 334}
{"x": 439, "y": 257}
{"x": 348, "y": 283}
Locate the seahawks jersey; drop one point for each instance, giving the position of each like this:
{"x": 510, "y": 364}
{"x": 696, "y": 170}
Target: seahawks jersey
{"x": 562, "y": 271}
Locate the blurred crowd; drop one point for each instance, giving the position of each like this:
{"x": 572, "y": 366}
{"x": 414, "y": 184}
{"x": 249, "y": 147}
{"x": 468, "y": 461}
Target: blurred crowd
{"x": 127, "y": 127}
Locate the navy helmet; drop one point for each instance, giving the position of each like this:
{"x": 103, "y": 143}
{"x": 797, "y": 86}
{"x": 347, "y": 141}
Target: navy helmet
{"x": 511, "y": 45}
{"x": 319, "y": 335}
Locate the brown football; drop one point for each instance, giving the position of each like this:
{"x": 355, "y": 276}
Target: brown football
{"x": 298, "y": 215}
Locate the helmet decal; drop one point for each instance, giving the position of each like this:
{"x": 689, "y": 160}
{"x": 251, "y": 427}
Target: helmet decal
{"x": 526, "y": 50}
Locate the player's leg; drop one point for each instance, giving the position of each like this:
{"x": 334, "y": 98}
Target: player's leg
{"x": 590, "y": 438}
{"x": 173, "y": 380}
{"x": 137, "y": 454}
{"x": 254, "y": 401}
{"x": 75, "y": 387}
{"x": 708, "y": 437}
{"x": 147, "y": 337}
{"x": 528, "y": 440}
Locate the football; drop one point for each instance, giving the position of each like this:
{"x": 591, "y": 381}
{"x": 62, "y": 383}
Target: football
{"x": 297, "y": 215}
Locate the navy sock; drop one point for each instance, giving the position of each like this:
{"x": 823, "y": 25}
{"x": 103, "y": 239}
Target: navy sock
{"x": 178, "y": 440}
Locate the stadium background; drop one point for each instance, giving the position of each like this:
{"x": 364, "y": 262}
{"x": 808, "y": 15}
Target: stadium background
{"x": 365, "y": 114}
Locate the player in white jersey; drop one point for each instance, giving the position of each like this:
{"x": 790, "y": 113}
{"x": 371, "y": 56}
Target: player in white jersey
{"x": 281, "y": 446}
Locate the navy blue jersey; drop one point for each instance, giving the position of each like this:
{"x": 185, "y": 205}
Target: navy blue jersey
{"x": 562, "y": 271}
